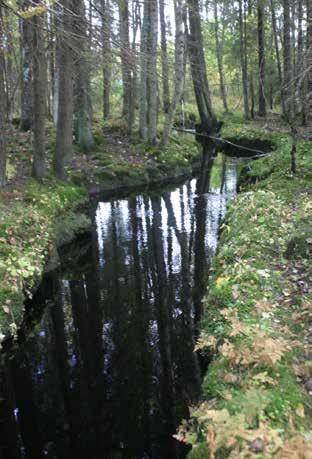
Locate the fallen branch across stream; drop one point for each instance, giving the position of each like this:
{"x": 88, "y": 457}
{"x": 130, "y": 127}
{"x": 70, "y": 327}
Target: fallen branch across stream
{"x": 259, "y": 153}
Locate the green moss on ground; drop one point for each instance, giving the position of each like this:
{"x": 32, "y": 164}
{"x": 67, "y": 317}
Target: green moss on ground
{"x": 27, "y": 231}
{"x": 257, "y": 310}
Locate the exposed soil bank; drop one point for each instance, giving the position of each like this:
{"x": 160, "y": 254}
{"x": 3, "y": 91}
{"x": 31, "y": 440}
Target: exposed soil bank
{"x": 257, "y": 324}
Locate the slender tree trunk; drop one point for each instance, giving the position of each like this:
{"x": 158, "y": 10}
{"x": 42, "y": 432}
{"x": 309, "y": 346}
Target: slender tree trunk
{"x": 286, "y": 90}
{"x": 219, "y": 52}
{"x": 106, "y": 52}
{"x": 179, "y": 68}
{"x": 277, "y": 53}
{"x": 261, "y": 58}
{"x": 300, "y": 60}
{"x": 243, "y": 60}
{"x": 26, "y": 40}
{"x": 252, "y": 95}
{"x": 125, "y": 54}
{"x": 152, "y": 73}
{"x": 39, "y": 107}
{"x": 134, "y": 79}
{"x": 309, "y": 63}
{"x": 82, "y": 107}
{"x": 2, "y": 107}
{"x": 143, "y": 72}
{"x": 56, "y": 66}
{"x": 164, "y": 57}
{"x": 64, "y": 131}
{"x": 198, "y": 69}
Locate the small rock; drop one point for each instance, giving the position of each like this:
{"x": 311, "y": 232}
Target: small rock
{"x": 257, "y": 445}
{"x": 308, "y": 385}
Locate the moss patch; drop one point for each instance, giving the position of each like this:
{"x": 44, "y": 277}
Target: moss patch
{"x": 27, "y": 232}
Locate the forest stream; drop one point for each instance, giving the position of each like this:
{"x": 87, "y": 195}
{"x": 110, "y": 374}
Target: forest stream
{"x": 104, "y": 366}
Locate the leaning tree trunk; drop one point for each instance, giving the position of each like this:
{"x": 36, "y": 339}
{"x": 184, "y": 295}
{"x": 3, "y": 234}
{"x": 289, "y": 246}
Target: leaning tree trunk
{"x": 125, "y": 55}
{"x": 219, "y": 52}
{"x": 152, "y": 73}
{"x": 82, "y": 108}
{"x": 26, "y": 43}
{"x": 198, "y": 69}
{"x": 242, "y": 40}
{"x": 309, "y": 63}
{"x": 39, "y": 108}
{"x": 106, "y": 54}
{"x": 179, "y": 69}
{"x": 261, "y": 57}
{"x": 64, "y": 130}
{"x": 164, "y": 57}
{"x": 286, "y": 89}
{"x": 2, "y": 108}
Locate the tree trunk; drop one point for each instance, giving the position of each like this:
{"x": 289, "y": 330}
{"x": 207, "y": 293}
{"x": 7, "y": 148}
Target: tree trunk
{"x": 286, "y": 90}
{"x": 64, "y": 131}
{"x": 198, "y": 69}
{"x": 143, "y": 72}
{"x": 300, "y": 61}
{"x": 26, "y": 40}
{"x": 277, "y": 53}
{"x": 164, "y": 57}
{"x": 242, "y": 40}
{"x": 219, "y": 52}
{"x": 39, "y": 107}
{"x": 125, "y": 54}
{"x": 179, "y": 69}
{"x": 2, "y": 108}
{"x": 106, "y": 53}
{"x": 152, "y": 72}
{"x": 83, "y": 115}
{"x": 261, "y": 58}
{"x": 309, "y": 63}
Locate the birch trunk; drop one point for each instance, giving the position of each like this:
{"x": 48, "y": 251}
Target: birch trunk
{"x": 286, "y": 89}
{"x": 164, "y": 57}
{"x": 243, "y": 60}
{"x": 261, "y": 59}
{"x": 219, "y": 52}
{"x": 309, "y": 63}
{"x": 198, "y": 69}
{"x": 152, "y": 73}
{"x": 179, "y": 69}
{"x": 2, "y": 108}
{"x": 143, "y": 72}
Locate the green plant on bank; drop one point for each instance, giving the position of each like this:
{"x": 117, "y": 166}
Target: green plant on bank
{"x": 26, "y": 233}
{"x": 255, "y": 320}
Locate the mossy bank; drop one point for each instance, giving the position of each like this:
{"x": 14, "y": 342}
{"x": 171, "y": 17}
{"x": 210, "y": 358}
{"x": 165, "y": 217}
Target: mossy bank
{"x": 35, "y": 217}
{"x": 256, "y": 398}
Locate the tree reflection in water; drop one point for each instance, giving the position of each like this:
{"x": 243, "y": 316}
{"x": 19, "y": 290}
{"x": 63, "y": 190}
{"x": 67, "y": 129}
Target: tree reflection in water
{"x": 109, "y": 369}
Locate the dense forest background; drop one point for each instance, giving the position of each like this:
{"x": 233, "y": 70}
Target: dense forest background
{"x": 147, "y": 65}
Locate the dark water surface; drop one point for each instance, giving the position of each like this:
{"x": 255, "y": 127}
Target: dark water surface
{"x": 107, "y": 369}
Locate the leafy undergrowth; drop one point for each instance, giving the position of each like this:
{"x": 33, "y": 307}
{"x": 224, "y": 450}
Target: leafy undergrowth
{"x": 257, "y": 322}
{"x": 27, "y": 232}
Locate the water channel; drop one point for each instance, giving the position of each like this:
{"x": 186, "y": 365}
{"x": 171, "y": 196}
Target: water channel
{"x": 104, "y": 367}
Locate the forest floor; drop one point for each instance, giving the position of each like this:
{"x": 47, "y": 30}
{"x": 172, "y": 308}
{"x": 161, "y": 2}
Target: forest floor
{"x": 257, "y": 325}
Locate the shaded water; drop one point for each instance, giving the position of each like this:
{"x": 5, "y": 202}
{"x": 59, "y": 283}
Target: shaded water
{"x": 108, "y": 369}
